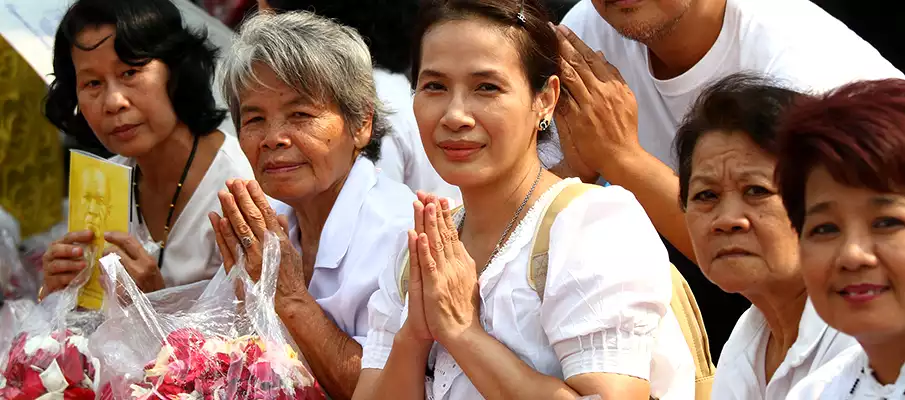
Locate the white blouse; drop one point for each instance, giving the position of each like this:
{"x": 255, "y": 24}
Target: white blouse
{"x": 402, "y": 156}
{"x": 357, "y": 240}
{"x": 605, "y": 308}
{"x": 741, "y": 372}
{"x": 848, "y": 377}
{"x": 191, "y": 252}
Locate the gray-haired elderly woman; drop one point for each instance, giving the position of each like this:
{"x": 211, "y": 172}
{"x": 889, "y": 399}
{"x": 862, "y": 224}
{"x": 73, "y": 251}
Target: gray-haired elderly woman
{"x": 301, "y": 91}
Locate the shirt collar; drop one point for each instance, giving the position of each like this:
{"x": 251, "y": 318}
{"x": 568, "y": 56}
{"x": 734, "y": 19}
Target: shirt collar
{"x": 343, "y": 218}
{"x": 810, "y": 331}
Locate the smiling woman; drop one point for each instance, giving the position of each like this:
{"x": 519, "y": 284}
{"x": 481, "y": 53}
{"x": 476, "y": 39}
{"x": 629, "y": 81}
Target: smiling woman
{"x": 468, "y": 306}
{"x": 842, "y": 176}
{"x": 129, "y": 74}
{"x": 301, "y": 90}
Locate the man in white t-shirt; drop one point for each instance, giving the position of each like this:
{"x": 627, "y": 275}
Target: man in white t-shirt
{"x": 659, "y": 54}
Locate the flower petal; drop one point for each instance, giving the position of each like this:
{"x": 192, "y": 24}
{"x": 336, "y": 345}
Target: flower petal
{"x": 53, "y": 378}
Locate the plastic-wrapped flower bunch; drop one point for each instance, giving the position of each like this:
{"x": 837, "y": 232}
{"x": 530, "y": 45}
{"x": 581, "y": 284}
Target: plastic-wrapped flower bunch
{"x": 224, "y": 347}
{"x": 50, "y": 366}
{"x": 49, "y": 356}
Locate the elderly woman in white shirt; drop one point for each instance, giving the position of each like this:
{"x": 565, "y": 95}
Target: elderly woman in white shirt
{"x": 842, "y": 177}
{"x": 301, "y": 89}
{"x": 744, "y": 242}
{"x": 387, "y": 30}
{"x": 487, "y": 85}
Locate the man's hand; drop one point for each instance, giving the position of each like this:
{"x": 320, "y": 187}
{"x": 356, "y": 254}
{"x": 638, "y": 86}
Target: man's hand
{"x": 598, "y": 119}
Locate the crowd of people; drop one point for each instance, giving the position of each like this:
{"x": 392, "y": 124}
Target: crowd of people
{"x": 492, "y": 212}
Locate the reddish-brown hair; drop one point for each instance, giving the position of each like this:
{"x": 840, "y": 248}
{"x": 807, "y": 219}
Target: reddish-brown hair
{"x": 857, "y": 132}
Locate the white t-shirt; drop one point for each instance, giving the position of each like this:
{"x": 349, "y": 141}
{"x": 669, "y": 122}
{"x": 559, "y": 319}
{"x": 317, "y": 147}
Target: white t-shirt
{"x": 402, "y": 156}
{"x": 357, "y": 240}
{"x": 793, "y": 40}
{"x": 605, "y": 307}
{"x": 848, "y": 377}
{"x": 191, "y": 251}
{"x": 741, "y": 375}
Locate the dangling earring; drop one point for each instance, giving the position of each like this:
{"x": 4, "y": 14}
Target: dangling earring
{"x": 543, "y": 125}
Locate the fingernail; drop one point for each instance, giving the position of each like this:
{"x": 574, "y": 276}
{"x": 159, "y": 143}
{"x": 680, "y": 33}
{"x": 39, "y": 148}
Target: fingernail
{"x": 107, "y": 235}
{"x": 77, "y": 251}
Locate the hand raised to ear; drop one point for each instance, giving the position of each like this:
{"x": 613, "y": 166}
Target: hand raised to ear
{"x": 599, "y": 118}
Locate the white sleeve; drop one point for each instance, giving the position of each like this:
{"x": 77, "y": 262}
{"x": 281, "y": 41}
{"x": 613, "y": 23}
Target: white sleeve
{"x": 386, "y": 313}
{"x": 608, "y": 285}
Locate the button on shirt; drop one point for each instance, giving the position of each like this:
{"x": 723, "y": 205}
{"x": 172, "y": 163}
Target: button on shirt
{"x": 848, "y": 377}
{"x": 358, "y": 240}
{"x": 605, "y": 308}
{"x": 741, "y": 375}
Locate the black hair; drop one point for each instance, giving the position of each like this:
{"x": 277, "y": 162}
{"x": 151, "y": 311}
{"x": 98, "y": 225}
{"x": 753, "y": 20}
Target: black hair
{"x": 535, "y": 40}
{"x": 145, "y": 30}
{"x": 745, "y": 103}
{"x": 384, "y": 24}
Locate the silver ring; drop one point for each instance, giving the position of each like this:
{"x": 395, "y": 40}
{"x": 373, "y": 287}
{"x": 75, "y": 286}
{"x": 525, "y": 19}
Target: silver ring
{"x": 247, "y": 241}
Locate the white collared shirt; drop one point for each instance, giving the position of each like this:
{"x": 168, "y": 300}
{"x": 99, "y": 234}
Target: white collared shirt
{"x": 741, "y": 375}
{"x": 358, "y": 240}
{"x": 605, "y": 307}
{"x": 848, "y": 377}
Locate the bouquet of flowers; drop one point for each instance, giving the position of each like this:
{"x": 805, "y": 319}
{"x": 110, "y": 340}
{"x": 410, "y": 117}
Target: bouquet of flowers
{"x": 49, "y": 357}
{"x": 195, "y": 367}
{"x": 223, "y": 347}
{"x": 50, "y": 366}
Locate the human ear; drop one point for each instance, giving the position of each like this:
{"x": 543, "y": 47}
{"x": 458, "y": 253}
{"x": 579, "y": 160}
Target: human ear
{"x": 545, "y": 101}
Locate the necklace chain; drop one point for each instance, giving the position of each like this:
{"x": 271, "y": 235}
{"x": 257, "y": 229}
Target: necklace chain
{"x": 166, "y": 227}
{"x": 521, "y": 207}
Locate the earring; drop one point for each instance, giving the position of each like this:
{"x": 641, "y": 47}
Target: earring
{"x": 543, "y": 125}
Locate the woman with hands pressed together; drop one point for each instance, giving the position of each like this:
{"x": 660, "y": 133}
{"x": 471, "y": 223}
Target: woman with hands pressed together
{"x": 312, "y": 139}
{"x": 129, "y": 74}
{"x": 486, "y": 87}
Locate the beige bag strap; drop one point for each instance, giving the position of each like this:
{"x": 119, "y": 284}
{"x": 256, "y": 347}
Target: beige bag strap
{"x": 682, "y": 303}
{"x": 537, "y": 268}
{"x": 688, "y": 314}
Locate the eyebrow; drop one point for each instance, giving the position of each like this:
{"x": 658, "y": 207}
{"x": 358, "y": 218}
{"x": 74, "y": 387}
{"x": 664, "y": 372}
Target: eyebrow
{"x": 882, "y": 201}
{"x": 296, "y": 101}
{"x": 818, "y": 208}
{"x": 487, "y": 73}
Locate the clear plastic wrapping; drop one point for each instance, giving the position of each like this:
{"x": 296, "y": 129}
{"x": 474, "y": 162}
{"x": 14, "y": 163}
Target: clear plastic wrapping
{"x": 16, "y": 280}
{"x": 48, "y": 357}
{"x": 224, "y": 346}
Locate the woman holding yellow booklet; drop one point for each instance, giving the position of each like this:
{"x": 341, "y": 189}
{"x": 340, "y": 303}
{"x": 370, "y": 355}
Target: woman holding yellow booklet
{"x": 130, "y": 75}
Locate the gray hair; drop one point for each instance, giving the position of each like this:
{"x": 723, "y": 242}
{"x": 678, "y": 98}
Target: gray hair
{"x": 321, "y": 59}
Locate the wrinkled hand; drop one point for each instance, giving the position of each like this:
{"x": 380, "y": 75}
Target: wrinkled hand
{"x": 63, "y": 260}
{"x": 247, "y": 214}
{"x": 138, "y": 263}
{"x": 598, "y": 120}
{"x": 449, "y": 282}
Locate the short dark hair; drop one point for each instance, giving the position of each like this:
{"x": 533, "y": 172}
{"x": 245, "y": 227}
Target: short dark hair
{"x": 535, "y": 41}
{"x": 744, "y": 103}
{"x": 145, "y": 30}
{"x": 857, "y": 132}
{"x": 382, "y": 23}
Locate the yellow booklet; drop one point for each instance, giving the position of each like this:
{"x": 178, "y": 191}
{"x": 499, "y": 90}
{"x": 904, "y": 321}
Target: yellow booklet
{"x": 100, "y": 198}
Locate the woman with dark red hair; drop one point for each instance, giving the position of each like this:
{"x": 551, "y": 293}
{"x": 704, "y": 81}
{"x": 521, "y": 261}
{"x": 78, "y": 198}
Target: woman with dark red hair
{"x": 841, "y": 173}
